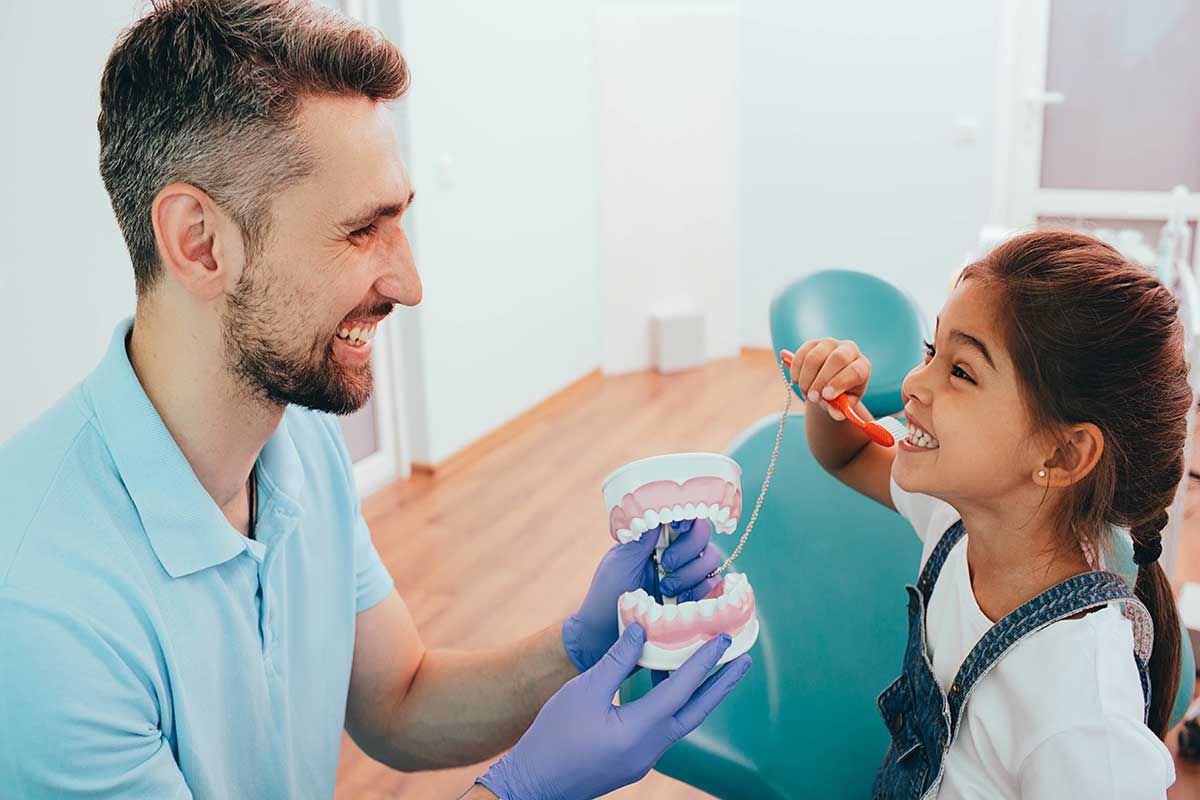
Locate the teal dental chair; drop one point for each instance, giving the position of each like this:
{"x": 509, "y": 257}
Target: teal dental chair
{"x": 828, "y": 568}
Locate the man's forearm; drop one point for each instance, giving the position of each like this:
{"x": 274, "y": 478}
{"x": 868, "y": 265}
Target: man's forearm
{"x": 466, "y": 706}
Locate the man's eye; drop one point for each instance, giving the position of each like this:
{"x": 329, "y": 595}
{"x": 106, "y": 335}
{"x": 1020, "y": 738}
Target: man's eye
{"x": 363, "y": 232}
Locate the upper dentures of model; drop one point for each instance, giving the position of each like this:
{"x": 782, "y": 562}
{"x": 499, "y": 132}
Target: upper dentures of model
{"x": 661, "y": 502}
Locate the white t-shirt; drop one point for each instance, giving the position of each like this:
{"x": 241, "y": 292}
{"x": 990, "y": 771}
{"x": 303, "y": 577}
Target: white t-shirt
{"x": 1059, "y": 715}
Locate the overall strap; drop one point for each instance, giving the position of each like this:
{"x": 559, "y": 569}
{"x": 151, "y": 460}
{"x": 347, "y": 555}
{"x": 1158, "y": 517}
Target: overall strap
{"x": 933, "y": 567}
{"x": 1079, "y": 593}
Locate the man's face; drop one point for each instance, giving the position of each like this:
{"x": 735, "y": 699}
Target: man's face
{"x": 298, "y": 325}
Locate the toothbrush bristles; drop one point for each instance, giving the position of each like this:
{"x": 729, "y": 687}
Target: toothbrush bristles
{"x": 895, "y": 427}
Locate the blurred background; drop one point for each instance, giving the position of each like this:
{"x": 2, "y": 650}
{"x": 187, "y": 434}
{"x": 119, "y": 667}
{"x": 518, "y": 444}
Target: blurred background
{"x": 585, "y": 164}
{"x": 609, "y": 195}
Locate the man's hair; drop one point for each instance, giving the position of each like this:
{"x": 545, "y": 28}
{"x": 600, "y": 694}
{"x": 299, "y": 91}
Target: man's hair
{"x": 207, "y": 92}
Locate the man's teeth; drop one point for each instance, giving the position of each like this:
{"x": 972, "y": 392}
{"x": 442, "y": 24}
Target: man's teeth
{"x": 921, "y": 439}
{"x": 357, "y": 335}
{"x": 721, "y": 516}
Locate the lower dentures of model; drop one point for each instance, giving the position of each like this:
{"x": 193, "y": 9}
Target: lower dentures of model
{"x": 727, "y": 609}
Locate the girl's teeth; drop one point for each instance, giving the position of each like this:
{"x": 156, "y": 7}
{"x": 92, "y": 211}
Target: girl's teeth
{"x": 922, "y": 439}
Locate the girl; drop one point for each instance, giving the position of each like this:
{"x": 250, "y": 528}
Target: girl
{"x": 1051, "y": 407}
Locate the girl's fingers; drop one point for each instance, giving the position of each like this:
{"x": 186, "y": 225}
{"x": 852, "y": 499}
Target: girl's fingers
{"x": 835, "y": 363}
{"x": 851, "y": 379}
{"x": 814, "y": 360}
{"x": 833, "y": 412}
{"x": 798, "y": 358}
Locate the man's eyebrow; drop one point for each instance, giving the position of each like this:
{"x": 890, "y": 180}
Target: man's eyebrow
{"x": 969, "y": 340}
{"x": 377, "y": 211}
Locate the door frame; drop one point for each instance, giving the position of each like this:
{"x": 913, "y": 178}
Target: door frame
{"x": 392, "y": 458}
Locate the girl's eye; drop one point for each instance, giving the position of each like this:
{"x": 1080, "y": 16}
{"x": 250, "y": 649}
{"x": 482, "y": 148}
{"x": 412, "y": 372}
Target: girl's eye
{"x": 955, "y": 371}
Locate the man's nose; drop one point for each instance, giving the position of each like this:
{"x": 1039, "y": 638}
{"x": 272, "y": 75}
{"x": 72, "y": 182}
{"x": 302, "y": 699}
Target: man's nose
{"x": 399, "y": 281}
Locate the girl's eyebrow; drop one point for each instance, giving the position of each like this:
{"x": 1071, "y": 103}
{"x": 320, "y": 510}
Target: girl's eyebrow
{"x": 969, "y": 340}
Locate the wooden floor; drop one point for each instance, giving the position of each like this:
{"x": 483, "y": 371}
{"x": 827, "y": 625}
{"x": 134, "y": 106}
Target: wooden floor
{"x": 523, "y": 517}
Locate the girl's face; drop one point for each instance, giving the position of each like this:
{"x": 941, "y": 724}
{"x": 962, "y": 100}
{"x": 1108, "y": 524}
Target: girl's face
{"x": 965, "y": 395}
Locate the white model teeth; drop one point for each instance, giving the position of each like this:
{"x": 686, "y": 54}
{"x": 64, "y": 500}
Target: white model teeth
{"x": 921, "y": 439}
{"x": 722, "y": 519}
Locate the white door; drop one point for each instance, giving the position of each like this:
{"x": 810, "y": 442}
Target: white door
{"x": 376, "y": 434}
{"x": 1101, "y": 110}
{"x": 1101, "y": 120}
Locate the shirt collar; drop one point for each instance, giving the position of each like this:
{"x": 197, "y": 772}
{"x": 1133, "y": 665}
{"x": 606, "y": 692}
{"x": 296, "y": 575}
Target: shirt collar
{"x": 187, "y": 530}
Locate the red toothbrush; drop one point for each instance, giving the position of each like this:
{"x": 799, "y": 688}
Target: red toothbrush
{"x": 884, "y": 431}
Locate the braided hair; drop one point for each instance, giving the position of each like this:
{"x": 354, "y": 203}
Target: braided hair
{"x": 1095, "y": 338}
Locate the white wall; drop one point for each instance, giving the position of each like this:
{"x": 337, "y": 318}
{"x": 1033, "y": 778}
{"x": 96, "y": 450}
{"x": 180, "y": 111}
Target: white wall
{"x": 849, "y": 151}
{"x": 846, "y": 155}
{"x": 667, "y": 82}
{"x": 503, "y": 141}
{"x": 65, "y": 277}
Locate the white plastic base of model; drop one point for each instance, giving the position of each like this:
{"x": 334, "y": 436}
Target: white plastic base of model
{"x": 677, "y": 467}
{"x": 655, "y": 657}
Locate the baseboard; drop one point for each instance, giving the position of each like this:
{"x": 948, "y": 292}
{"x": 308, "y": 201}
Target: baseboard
{"x": 510, "y": 429}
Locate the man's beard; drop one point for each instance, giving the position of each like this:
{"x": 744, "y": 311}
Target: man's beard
{"x": 266, "y": 353}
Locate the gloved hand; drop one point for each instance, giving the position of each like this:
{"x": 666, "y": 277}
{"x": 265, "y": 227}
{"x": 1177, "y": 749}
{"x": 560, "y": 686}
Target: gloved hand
{"x": 582, "y": 746}
{"x": 591, "y": 630}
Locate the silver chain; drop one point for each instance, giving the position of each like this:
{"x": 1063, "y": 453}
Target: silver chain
{"x": 787, "y": 404}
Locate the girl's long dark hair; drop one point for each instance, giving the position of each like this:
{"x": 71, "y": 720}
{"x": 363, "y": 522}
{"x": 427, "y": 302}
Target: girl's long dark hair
{"x": 1096, "y": 338}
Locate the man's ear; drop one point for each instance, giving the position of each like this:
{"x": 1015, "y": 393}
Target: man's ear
{"x": 194, "y": 241}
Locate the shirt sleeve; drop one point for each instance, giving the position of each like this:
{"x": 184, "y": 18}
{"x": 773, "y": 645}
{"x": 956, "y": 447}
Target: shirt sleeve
{"x": 1118, "y": 759}
{"x": 372, "y": 580}
{"x": 80, "y": 720}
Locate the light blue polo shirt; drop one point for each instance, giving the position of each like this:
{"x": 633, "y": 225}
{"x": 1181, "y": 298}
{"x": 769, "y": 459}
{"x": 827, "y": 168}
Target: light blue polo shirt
{"x": 149, "y": 650}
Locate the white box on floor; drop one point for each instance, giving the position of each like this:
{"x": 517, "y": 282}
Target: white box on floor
{"x": 677, "y": 337}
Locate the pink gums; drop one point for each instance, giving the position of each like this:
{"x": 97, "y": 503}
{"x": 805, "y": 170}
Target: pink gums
{"x": 676, "y": 634}
{"x": 657, "y": 494}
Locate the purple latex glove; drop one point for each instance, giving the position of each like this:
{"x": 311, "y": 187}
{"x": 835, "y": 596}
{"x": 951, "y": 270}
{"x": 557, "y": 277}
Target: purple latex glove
{"x": 582, "y": 746}
{"x": 591, "y": 630}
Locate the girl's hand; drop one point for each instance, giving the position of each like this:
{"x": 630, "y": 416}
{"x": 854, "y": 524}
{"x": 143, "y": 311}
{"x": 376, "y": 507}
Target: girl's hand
{"x": 826, "y": 368}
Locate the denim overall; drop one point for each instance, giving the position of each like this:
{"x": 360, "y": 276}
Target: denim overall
{"x": 923, "y": 721}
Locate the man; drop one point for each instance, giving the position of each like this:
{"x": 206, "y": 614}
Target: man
{"x": 190, "y": 603}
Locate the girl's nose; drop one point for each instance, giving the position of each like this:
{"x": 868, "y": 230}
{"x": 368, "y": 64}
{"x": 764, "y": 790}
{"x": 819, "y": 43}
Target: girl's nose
{"x": 913, "y": 385}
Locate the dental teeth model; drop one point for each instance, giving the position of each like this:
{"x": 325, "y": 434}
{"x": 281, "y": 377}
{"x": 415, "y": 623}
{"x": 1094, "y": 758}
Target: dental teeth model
{"x": 643, "y": 498}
